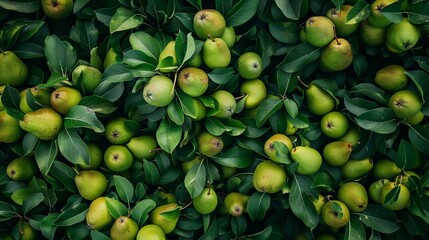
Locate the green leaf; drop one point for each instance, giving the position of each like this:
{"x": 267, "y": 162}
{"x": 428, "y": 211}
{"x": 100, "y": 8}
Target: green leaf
{"x": 235, "y": 157}
{"x": 419, "y": 137}
{"x": 371, "y": 91}
{"x": 392, "y": 12}
{"x": 262, "y": 235}
{"x": 65, "y": 174}
{"x": 10, "y": 100}
{"x": 124, "y": 188}
{"x": 214, "y": 126}
{"x": 234, "y": 127}
{"x": 359, "y": 12}
{"x": 406, "y": 155}
{"x": 45, "y": 153}
{"x": 98, "y": 104}
{"x": 300, "y": 203}
{"x": 298, "y": 57}
{"x": 82, "y": 116}
{"x": 291, "y": 107}
{"x": 140, "y": 213}
{"x": 285, "y": 32}
{"x": 187, "y": 104}
{"x": 125, "y": 19}
{"x": 28, "y": 50}
{"x": 420, "y": 80}
{"x": 7, "y": 211}
{"x": 47, "y": 226}
{"x": 87, "y": 34}
{"x": 290, "y": 8}
{"x": 22, "y": 6}
{"x": 355, "y": 229}
{"x": 358, "y": 106}
{"x": 61, "y": 55}
{"x": 72, "y": 147}
{"x": 97, "y": 235}
{"x": 258, "y": 205}
{"x": 238, "y": 225}
{"x": 151, "y": 173}
{"x": 116, "y": 73}
{"x": 241, "y": 12}
{"x": 418, "y": 13}
{"x": 144, "y": 42}
{"x": 171, "y": 214}
{"x": 116, "y": 208}
{"x": 175, "y": 113}
{"x": 168, "y": 135}
{"x": 379, "y": 219}
{"x": 413, "y": 224}
{"x": 338, "y": 3}
{"x": 195, "y": 179}
{"x": 266, "y": 108}
{"x": 79, "y": 4}
{"x": 184, "y": 55}
{"x": 282, "y": 152}
{"x": 380, "y": 120}
{"x": 322, "y": 181}
{"x": 32, "y": 201}
{"x": 72, "y": 216}
{"x": 55, "y": 80}
{"x": 222, "y": 75}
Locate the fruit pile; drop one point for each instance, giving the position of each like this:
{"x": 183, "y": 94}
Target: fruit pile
{"x": 225, "y": 119}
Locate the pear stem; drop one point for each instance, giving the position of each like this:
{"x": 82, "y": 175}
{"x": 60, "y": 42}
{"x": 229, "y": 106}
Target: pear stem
{"x": 335, "y": 35}
{"x": 77, "y": 171}
{"x": 302, "y": 82}
{"x": 210, "y": 37}
{"x": 174, "y": 82}
{"x": 187, "y": 205}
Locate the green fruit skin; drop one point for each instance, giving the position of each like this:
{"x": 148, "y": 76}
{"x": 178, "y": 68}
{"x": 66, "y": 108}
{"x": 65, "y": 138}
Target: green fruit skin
{"x": 10, "y": 131}
{"x": 1, "y": 93}
{"x": 64, "y": 98}
{"x": 337, "y": 153}
{"x": 236, "y": 203}
{"x": 112, "y": 56}
{"x": 208, "y": 144}
{"x": 385, "y": 168}
{"x": 167, "y": 225}
{"x": 195, "y": 61}
{"x": 336, "y": 56}
{"x": 339, "y": 18}
{"x": 376, "y": 18}
{"x": 168, "y": 51}
{"x": 391, "y": 78}
{"x": 91, "y": 184}
{"x": 40, "y": 95}
{"x": 269, "y": 177}
{"x": 98, "y": 217}
{"x": 249, "y": 65}
{"x": 309, "y": 159}
{"x": 124, "y": 228}
{"x": 209, "y": 22}
{"x": 118, "y": 158}
{"x": 13, "y": 71}
{"x": 375, "y": 188}
{"x": 318, "y": 101}
{"x": 403, "y": 197}
{"x": 187, "y": 165}
{"x": 89, "y": 77}
{"x": 318, "y": 202}
{"x": 193, "y": 81}
{"x": 269, "y": 145}
{"x": 44, "y": 123}
{"x": 227, "y": 104}
{"x": 334, "y": 124}
{"x": 371, "y": 35}
{"x": 331, "y": 218}
{"x": 256, "y": 92}
{"x": 354, "y": 195}
{"x": 216, "y": 53}
{"x": 402, "y": 36}
{"x": 200, "y": 110}
{"x": 116, "y": 131}
{"x": 26, "y": 231}
{"x": 61, "y": 11}
{"x": 413, "y": 120}
{"x": 319, "y": 31}
{"x": 22, "y": 169}
{"x": 158, "y": 91}
{"x": 206, "y": 202}
{"x": 95, "y": 157}
{"x": 150, "y": 232}
{"x": 405, "y": 104}
{"x": 142, "y": 147}
{"x": 352, "y": 136}
{"x": 229, "y": 36}
{"x": 356, "y": 168}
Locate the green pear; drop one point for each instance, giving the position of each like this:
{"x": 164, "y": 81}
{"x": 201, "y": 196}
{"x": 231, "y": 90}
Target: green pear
{"x": 187, "y": 165}
{"x": 337, "y": 153}
{"x": 91, "y": 184}
{"x": 22, "y": 169}
{"x": 391, "y": 78}
{"x": 98, "y": 217}
{"x": 150, "y": 232}
{"x": 318, "y": 202}
{"x": 95, "y": 59}
{"x": 209, "y": 23}
{"x": 269, "y": 148}
{"x": 335, "y": 213}
{"x": 319, "y": 31}
{"x": 249, "y": 65}
{"x": 206, "y": 202}
{"x": 193, "y": 81}
{"x": 26, "y": 231}
{"x": 168, "y": 51}
{"x": 290, "y": 128}
{"x": 117, "y": 131}
{"x": 336, "y": 56}
{"x": 356, "y": 168}
{"x": 195, "y": 61}
{"x": 229, "y": 36}
{"x": 13, "y": 71}
{"x": 227, "y": 172}
{"x": 200, "y": 110}
{"x": 95, "y": 157}
{"x": 165, "y": 216}
{"x": 406, "y": 177}
{"x": 339, "y": 18}
{"x": 256, "y": 92}
{"x": 216, "y": 53}
{"x": 118, "y": 158}
{"x": 64, "y": 98}
{"x": 112, "y": 56}
{"x": 227, "y": 103}
{"x": 143, "y": 147}
{"x": 371, "y": 35}
{"x": 41, "y": 97}
{"x": 413, "y": 120}
{"x": 269, "y": 177}
{"x": 352, "y": 136}
{"x": 318, "y": 101}
{"x": 354, "y": 195}
{"x": 375, "y": 188}
{"x": 309, "y": 159}
{"x": 158, "y": 91}
{"x": 208, "y": 144}
{"x": 236, "y": 203}
{"x": 376, "y": 18}
{"x": 334, "y": 124}
{"x": 385, "y": 168}
{"x": 405, "y": 104}
{"x": 86, "y": 76}
{"x": 1, "y": 93}
{"x": 10, "y": 131}
{"x": 124, "y": 228}
{"x": 57, "y": 9}
{"x": 402, "y": 36}
{"x": 44, "y": 123}
{"x": 402, "y": 200}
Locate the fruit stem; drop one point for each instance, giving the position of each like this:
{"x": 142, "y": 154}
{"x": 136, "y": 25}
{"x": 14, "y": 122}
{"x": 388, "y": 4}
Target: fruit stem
{"x": 75, "y": 169}
{"x": 302, "y": 82}
{"x": 335, "y": 35}
{"x": 174, "y": 82}
{"x": 210, "y": 37}
{"x": 184, "y": 207}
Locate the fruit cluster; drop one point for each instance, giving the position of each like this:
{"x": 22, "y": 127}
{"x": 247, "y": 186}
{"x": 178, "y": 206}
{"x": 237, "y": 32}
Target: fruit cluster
{"x": 226, "y": 119}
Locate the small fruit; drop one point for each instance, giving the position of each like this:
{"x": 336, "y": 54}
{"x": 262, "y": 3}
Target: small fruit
{"x": 95, "y": 157}
{"x": 226, "y": 102}
{"x": 405, "y": 104}
{"x": 249, "y": 65}
{"x": 124, "y": 228}
{"x": 336, "y": 56}
{"x": 206, "y": 202}
{"x": 165, "y": 216}
{"x": 22, "y": 169}
{"x": 335, "y": 213}
{"x": 216, "y": 53}
{"x": 354, "y": 195}
{"x": 142, "y": 147}
{"x": 208, "y": 144}
{"x": 57, "y": 9}
{"x": 118, "y": 158}
{"x": 256, "y": 92}
{"x": 87, "y": 77}
{"x": 385, "y": 168}
{"x": 91, "y": 184}
{"x": 117, "y": 131}
{"x": 402, "y": 200}
{"x": 339, "y": 18}
{"x": 98, "y": 217}
{"x": 150, "y": 232}
{"x": 10, "y": 131}
{"x": 319, "y": 31}
{"x": 376, "y": 18}
{"x": 371, "y": 35}
{"x": 13, "y": 71}
{"x": 402, "y": 36}
{"x": 356, "y": 168}
{"x": 309, "y": 159}
{"x": 229, "y": 36}
{"x": 44, "y": 123}
{"x": 337, "y": 153}
{"x": 64, "y": 98}
{"x": 334, "y": 124}
{"x": 269, "y": 177}
{"x": 269, "y": 148}
{"x": 375, "y": 188}
{"x": 318, "y": 101}
{"x": 112, "y": 57}
{"x": 170, "y": 53}
{"x": 318, "y": 202}
{"x": 209, "y": 23}
{"x": 391, "y": 78}
{"x": 236, "y": 203}
{"x": 193, "y": 81}
{"x": 158, "y": 91}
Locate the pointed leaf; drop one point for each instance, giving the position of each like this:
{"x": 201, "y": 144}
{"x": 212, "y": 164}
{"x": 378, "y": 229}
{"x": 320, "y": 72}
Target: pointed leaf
{"x": 72, "y": 147}
{"x": 195, "y": 179}
{"x": 124, "y": 188}
{"x": 82, "y": 116}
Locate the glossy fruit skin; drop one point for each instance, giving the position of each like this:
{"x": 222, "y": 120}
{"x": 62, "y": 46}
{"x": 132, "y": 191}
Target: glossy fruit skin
{"x": 227, "y": 104}
{"x": 331, "y": 218}
{"x": 229, "y": 36}
{"x": 13, "y": 70}
{"x": 391, "y": 78}
{"x": 405, "y": 104}
{"x": 44, "y": 123}
{"x": 216, "y": 53}
{"x": 339, "y": 18}
{"x": 158, "y": 91}
{"x": 208, "y": 144}
{"x": 206, "y": 202}
{"x": 256, "y": 92}
{"x": 88, "y": 77}
{"x": 375, "y": 188}
{"x": 142, "y": 147}
{"x": 61, "y": 10}
{"x": 124, "y": 228}
{"x": 269, "y": 145}
{"x": 370, "y": 35}
{"x": 318, "y": 101}
{"x": 269, "y": 177}
{"x": 376, "y": 18}
{"x": 22, "y": 169}
{"x": 10, "y": 131}
{"x": 117, "y": 132}
{"x": 150, "y": 232}
{"x": 319, "y": 31}
{"x": 168, "y": 51}
{"x": 209, "y": 22}
{"x": 402, "y": 36}
{"x": 384, "y": 168}
{"x": 403, "y": 197}
{"x": 167, "y": 225}
{"x": 95, "y": 156}
{"x": 334, "y": 124}
{"x": 355, "y": 168}
{"x": 235, "y": 203}
{"x": 336, "y": 56}
{"x": 354, "y": 195}
{"x": 64, "y": 98}
{"x": 249, "y": 65}
{"x": 118, "y": 158}
{"x": 41, "y": 97}
{"x": 309, "y": 159}
{"x": 91, "y": 184}
{"x": 193, "y": 81}
{"x": 337, "y": 153}
{"x": 112, "y": 57}
{"x": 98, "y": 217}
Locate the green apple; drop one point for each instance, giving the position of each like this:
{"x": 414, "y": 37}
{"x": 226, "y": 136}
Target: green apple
{"x": 87, "y": 77}
{"x": 22, "y": 169}
{"x": 158, "y": 91}
{"x": 64, "y": 98}
{"x": 118, "y": 158}
{"x": 339, "y": 18}
{"x": 216, "y": 53}
{"x": 209, "y": 23}
{"x": 402, "y": 36}
{"x": 269, "y": 148}
{"x": 405, "y": 104}
{"x": 249, "y": 65}
{"x": 335, "y": 213}
{"x": 226, "y": 102}
{"x": 319, "y": 31}
{"x": 193, "y": 81}
{"x": 334, "y": 124}
{"x": 376, "y": 18}
{"x": 57, "y": 9}
{"x": 256, "y": 92}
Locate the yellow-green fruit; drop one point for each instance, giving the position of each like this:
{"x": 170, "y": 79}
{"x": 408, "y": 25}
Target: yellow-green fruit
{"x": 10, "y": 131}
{"x": 405, "y": 104}
{"x": 124, "y": 228}
{"x": 95, "y": 157}
{"x": 391, "y": 78}
{"x": 371, "y": 35}
{"x": 91, "y": 184}
{"x": 335, "y": 213}
{"x": 187, "y": 165}
{"x": 57, "y": 9}
{"x": 375, "y": 188}
{"x": 356, "y": 168}
{"x": 318, "y": 202}
{"x": 22, "y": 169}
{"x": 352, "y": 136}
{"x": 354, "y": 195}
{"x": 200, "y": 110}
{"x": 249, "y": 65}
{"x": 88, "y": 77}
{"x": 229, "y": 36}
{"x": 269, "y": 148}
{"x": 402, "y": 200}
{"x": 337, "y": 153}
{"x": 339, "y": 18}
{"x": 269, "y": 177}
{"x": 319, "y": 31}
{"x": 118, "y": 158}
{"x": 336, "y": 56}
{"x": 195, "y": 61}
{"x": 13, "y": 71}
{"x": 309, "y": 159}
{"x": 334, "y": 124}
{"x": 227, "y": 103}
{"x": 385, "y": 168}
{"x": 26, "y": 231}
{"x": 209, "y": 23}
{"x": 376, "y": 18}
{"x": 256, "y": 92}
{"x": 150, "y": 232}
{"x": 159, "y": 91}
{"x": 64, "y": 98}
{"x": 318, "y": 101}
{"x": 111, "y": 57}
{"x": 208, "y": 144}
{"x": 44, "y": 123}
{"x": 407, "y": 180}
{"x": 403, "y": 35}
{"x": 142, "y": 147}
{"x": 413, "y": 120}
{"x": 117, "y": 131}
{"x": 168, "y": 51}
{"x": 165, "y": 216}
{"x": 1, "y": 93}
{"x": 236, "y": 203}
{"x": 41, "y": 97}
{"x": 216, "y": 53}
{"x": 193, "y": 81}
{"x": 98, "y": 217}
{"x": 206, "y": 202}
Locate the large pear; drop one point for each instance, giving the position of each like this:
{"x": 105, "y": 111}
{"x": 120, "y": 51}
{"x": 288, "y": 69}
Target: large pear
{"x": 13, "y": 71}
{"x": 336, "y": 56}
{"x": 216, "y": 53}
{"x": 165, "y": 216}
{"x": 44, "y": 123}
{"x": 209, "y": 23}
{"x": 318, "y": 101}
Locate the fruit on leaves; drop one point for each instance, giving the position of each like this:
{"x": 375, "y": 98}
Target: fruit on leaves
{"x": 208, "y": 144}
{"x": 209, "y": 23}
{"x": 44, "y": 123}
{"x": 142, "y": 147}
{"x": 385, "y": 168}
{"x": 236, "y": 203}
{"x": 158, "y": 91}
{"x": 164, "y": 64}
{"x": 95, "y": 157}
{"x": 216, "y": 53}
{"x": 91, "y": 184}
{"x": 334, "y": 124}
{"x": 354, "y": 195}
{"x": 391, "y": 78}
{"x": 13, "y": 70}
{"x": 356, "y": 168}
{"x": 269, "y": 177}
{"x": 117, "y": 132}
{"x": 10, "y": 131}
{"x": 165, "y": 216}
{"x": 335, "y": 213}
{"x": 336, "y": 56}
{"x": 22, "y": 169}
{"x": 193, "y": 81}
{"x": 112, "y": 57}
{"x": 64, "y": 98}
{"x": 26, "y": 231}
{"x": 256, "y": 92}
{"x": 150, "y": 232}
{"x": 339, "y": 18}
{"x": 124, "y": 228}
{"x": 200, "y": 110}
{"x": 375, "y": 188}
{"x": 413, "y": 120}
{"x": 337, "y": 153}
{"x": 399, "y": 202}
{"x": 371, "y": 35}
{"x": 187, "y": 165}
{"x": 270, "y": 149}
{"x": 229, "y": 36}
{"x": 309, "y": 159}
{"x": 41, "y": 97}
{"x": 402, "y": 36}
{"x": 319, "y": 31}
{"x": 206, "y": 202}
{"x": 87, "y": 77}
{"x": 376, "y": 18}
{"x": 318, "y": 101}
{"x": 318, "y": 202}
{"x": 226, "y": 102}
{"x": 249, "y": 65}
{"x": 98, "y": 217}
{"x": 57, "y": 9}
{"x": 118, "y": 158}
{"x": 405, "y": 104}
